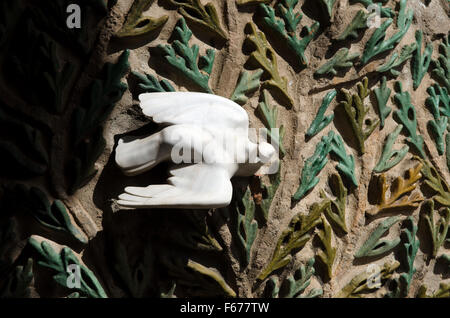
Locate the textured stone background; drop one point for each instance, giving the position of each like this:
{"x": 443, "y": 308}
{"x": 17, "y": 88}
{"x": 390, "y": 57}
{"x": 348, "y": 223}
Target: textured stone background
{"x": 105, "y": 223}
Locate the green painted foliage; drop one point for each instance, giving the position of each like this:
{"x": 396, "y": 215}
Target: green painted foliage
{"x": 138, "y": 25}
{"x": 264, "y": 56}
{"x": 442, "y": 64}
{"x": 99, "y": 100}
{"x": 21, "y": 147}
{"x": 403, "y": 283}
{"x": 439, "y": 124}
{"x": 420, "y": 63}
{"x": 335, "y": 212}
{"x": 286, "y": 27}
{"x": 184, "y": 57}
{"x": 59, "y": 262}
{"x": 346, "y": 165}
{"x": 200, "y": 280}
{"x": 34, "y": 202}
{"x": 269, "y": 192}
{"x": 321, "y": 121}
{"x": 136, "y": 278}
{"x": 390, "y": 158}
{"x": 312, "y": 167}
{"x": 247, "y": 83}
{"x": 377, "y": 43}
{"x": 203, "y": 15}
{"x": 435, "y": 181}
{"x": 438, "y": 227}
{"x": 246, "y": 226}
{"x": 342, "y": 59}
{"x": 356, "y": 112}
{"x": 269, "y": 116}
{"x": 361, "y": 282}
{"x": 373, "y": 246}
{"x": 382, "y": 94}
{"x": 385, "y": 12}
{"x": 327, "y": 253}
{"x": 250, "y": 2}
{"x": 294, "y": 238}
{"x": 18, "y": 283}
{"x": 327, "y": 7}
{"x": 406, "y": 115}
{"x": 294, "y": 285}
{"x": 150, "y": 84}
{"x": 396, "y": 60}
{"x": 359, "y": 22}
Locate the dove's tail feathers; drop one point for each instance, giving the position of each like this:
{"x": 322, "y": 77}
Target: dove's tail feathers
{"x": 140, "y": 155}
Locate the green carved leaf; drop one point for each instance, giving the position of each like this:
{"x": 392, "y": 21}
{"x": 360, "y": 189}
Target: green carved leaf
{"x": 21, "y": 147}
{"x": 269, "y": 116}
{"x": 335, "y": 213}
{"x": 398, "y": 198}
{"x": 396, "y": 60}
{"x": 342, "y": 59}
{"x": 34, "y": 201}
{"x": 438, "y": 126}
{"x": 199, "y": 279}
{"x": 7, "y": 238}
{"x": 294, "y": 237}
{"x": 435, "y": 181}
{"x": 356, "y": 112}
{"x": 59, "y": 262}
{"x": 327, "y": 254}
{"x": 447, "y": 150}
{"x": 136, "y": 277}
{"x": 268, "y": 193}
{"x": 321, "y": 121}
{"x": 420, "y": 63}
{"x": 286, "y": 27}
{"x": 150, "y": 84}
{"x": 403, "y": 283}
{"x": 99, "y": 100}
{"x": 382, "y": 94}
{"x": 360, "y": 283}
{"x": 442, "y": 64}
{"x": 373, "y": 246}
{"x": 250, "y": 2}
{"x": 346, "y": 165}
{"x": 312, "y": 167}
{"x": 377, "y": 43}
{"x": 138, "y": 25}
{"x": 442, "y": 292}
{"x": 294, "y": 285}
{"x": 18, "y": 283}
{"x": 390, "y": 158}
{"x": 406, "y": 115}
{"x": 438, "y": 227}
{"x": 264, "y": 56}
{"x": 247, "y": 83}
{"x": 246, "y": 226}
{"x": 358, "y": 22}
{"x": 205, "y": 16}
{"x": 385, "y": 12}
{"x": 327, "y": 7}
{"x": 186, "y": 59}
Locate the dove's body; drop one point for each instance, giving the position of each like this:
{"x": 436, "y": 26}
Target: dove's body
{"x": 206, "y": 126}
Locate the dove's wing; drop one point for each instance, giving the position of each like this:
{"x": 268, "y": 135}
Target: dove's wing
{"x": 199, "y": 109}
{"x": 193, "y": 186}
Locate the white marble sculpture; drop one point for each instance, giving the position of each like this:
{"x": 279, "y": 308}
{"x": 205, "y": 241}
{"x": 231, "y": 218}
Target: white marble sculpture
{"x": 202, "y": 129}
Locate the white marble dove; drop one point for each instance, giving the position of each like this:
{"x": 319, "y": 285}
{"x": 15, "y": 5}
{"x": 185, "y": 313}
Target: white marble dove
{"x": 206, "y": 137}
